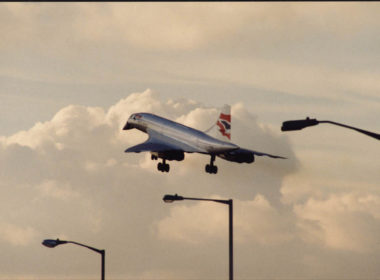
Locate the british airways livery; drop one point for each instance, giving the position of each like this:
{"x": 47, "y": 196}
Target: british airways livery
{"x": 170, "y": 140}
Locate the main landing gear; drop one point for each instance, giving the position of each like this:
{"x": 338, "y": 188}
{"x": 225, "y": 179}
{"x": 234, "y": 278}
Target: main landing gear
{"x": 211, "y": 168}
{"x": 163, "y": 166}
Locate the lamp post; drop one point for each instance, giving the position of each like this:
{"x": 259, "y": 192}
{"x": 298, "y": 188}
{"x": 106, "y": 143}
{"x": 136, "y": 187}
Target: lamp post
{"x": 171, "y": 198}
{"x": 51, "y": 243}
{"x": 300, "y": 124}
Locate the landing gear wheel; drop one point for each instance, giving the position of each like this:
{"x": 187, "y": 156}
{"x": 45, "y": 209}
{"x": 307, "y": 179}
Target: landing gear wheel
{"x": 163, "y": 167}
{"x": 207, "y": 168}
{"x": 212, "y": 169}
{"x": 160, "y": 167}
{"x": 215, "y": 169}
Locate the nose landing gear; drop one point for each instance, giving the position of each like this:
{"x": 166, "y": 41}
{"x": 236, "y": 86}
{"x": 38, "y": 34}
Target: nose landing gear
{"x": 211, "y": 168}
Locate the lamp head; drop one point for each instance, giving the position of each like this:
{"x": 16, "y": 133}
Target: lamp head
{"x": 171, "y": 198}
{"x": 298, "y": 124}
{"x": 51, "y": 243}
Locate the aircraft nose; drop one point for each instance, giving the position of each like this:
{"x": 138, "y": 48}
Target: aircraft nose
{"x": 127, "y": 126}
{"x": 130, "y": 124}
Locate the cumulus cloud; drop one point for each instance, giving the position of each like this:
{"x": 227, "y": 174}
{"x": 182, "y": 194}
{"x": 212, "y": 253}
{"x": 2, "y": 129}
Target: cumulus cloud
{"x": 69, "y": 178}
{"x": 347, "y": 222}
{"x": 52, "y": 189}
{"x": 78, "y": 182}
{"x": 256, "y": 221}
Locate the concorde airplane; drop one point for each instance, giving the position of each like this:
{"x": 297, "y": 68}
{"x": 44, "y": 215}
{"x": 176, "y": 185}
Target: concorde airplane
{"x": 170, "y": 140}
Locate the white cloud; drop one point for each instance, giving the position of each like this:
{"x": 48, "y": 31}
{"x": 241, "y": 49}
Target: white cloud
{"x": 79, "y": 183}
{"x": 69, "y": 177}
{"x": 60, "y": 128}
{"x": 346, "y": 222}
{"x": 255, "y": 221}
{"x": 17, "y": 235}
{"x": 52, "y": 189}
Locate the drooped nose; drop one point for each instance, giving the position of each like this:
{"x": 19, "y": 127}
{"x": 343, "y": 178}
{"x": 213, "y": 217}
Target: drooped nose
{"x": 127, "y": 126}
{"x": 131, "y": 123}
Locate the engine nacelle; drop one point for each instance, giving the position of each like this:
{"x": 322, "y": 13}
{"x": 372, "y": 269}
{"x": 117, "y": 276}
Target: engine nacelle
{"x": 171, "y": 155}
{"x": 240, "y": 156}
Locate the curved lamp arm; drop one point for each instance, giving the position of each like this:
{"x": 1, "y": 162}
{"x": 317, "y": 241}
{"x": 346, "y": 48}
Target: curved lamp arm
{"x": 86, "y": 246}
{"x": 301, "y": 124}
{"x": 369, "y": 133}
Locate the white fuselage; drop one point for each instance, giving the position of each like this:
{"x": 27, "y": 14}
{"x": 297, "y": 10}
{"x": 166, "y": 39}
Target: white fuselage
{"x": 178, "y": 134}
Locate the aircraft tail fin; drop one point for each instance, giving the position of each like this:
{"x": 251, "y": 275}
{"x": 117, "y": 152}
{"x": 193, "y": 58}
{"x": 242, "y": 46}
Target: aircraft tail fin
{"x": 222, "y": 128}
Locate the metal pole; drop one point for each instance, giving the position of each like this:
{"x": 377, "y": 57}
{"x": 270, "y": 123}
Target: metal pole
{"x": 231, "y": 236}
{"x": 171, "y": 198}
{"x": 103, "y": 253}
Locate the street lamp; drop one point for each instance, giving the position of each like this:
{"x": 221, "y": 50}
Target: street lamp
{"x": 300, "y": 124}
{"x": 171, "y": 198}
{"x": 51, "y": 243}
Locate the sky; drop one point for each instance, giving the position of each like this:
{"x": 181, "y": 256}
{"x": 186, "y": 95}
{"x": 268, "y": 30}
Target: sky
{"x": 72, "y": 73}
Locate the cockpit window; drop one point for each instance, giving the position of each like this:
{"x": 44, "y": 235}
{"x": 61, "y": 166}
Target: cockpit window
{"x": 136, "y": 116}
